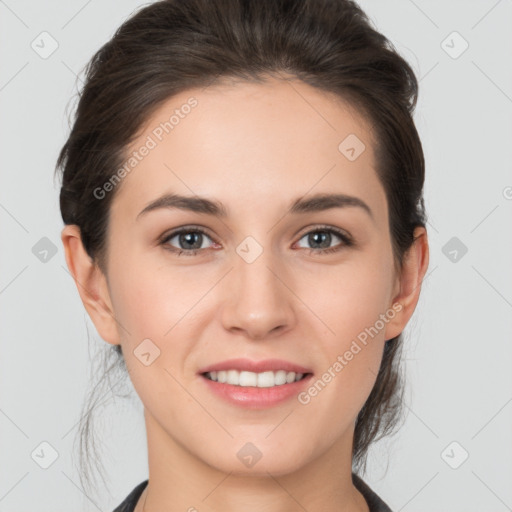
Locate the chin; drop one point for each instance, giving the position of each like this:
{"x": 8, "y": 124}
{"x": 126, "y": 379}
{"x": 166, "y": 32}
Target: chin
{"x": 258, "y": 459}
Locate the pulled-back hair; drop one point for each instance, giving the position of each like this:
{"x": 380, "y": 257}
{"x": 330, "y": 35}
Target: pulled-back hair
{"x": 171, "y": 46}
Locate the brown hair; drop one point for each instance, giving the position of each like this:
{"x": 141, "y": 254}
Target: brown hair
{"x": 174, "y": 45}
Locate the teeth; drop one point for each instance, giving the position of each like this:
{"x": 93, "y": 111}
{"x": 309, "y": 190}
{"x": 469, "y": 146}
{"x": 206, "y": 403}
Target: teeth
{"x": 260, "y": 380}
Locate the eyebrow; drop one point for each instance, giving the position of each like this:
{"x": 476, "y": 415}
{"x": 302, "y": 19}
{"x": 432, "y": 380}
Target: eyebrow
{"x": 315, "y": 203}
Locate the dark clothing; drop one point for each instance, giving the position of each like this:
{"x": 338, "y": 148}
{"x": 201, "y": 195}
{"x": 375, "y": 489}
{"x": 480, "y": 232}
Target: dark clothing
{"x": 375, "y": 504}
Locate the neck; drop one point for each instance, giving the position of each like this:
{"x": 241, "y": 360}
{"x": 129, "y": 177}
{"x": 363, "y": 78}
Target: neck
{"x": 179, "y": 480}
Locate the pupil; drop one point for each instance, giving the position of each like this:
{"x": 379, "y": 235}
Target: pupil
{"x": 322, "y": 234}
{"x": 188, "y": 238}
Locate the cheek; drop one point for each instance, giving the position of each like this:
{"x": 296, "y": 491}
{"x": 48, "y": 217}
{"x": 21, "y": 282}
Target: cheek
{"x": 351, "y": 352}
{"x": 152, "y": 306}
{"x": 151, "y": 300}
{"x": 351, "y": 298}
{"x": 353, "y": 308}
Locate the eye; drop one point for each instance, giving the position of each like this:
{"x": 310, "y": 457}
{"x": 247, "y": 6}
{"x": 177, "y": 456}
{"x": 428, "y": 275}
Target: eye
{"x": 189, "y": 240}
{"x": 323, "y": 236}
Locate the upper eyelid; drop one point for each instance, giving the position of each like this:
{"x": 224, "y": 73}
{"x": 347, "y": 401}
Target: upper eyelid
{"x": 324, "y": 227}
{"x": 186, "y": 229}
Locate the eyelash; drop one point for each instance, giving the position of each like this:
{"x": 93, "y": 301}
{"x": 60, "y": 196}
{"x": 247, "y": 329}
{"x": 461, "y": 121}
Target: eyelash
{"x": 346, "y": 240}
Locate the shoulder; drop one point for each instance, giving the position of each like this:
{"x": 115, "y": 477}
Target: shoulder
{"x": 128, "y": 504}
{"x": 375, "y": 503}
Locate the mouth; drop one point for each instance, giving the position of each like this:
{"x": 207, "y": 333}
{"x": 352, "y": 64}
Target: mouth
{"x": 267, "y": 379}
{"x": 256, "y": 391}
{"x": 255, "y": 384}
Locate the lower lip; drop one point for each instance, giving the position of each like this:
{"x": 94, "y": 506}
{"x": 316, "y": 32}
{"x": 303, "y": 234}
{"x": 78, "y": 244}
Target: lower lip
{"x": 252, "y": 397}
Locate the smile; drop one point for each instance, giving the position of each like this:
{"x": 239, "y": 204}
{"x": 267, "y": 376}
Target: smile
{"x": 261, "y": 380}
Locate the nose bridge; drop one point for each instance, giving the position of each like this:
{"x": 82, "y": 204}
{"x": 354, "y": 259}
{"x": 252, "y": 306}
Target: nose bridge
{"x": 259, "y": 300}
{"x": 256, "y": 270}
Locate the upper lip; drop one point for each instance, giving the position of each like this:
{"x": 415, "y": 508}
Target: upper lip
{"x": 265, "y": 365}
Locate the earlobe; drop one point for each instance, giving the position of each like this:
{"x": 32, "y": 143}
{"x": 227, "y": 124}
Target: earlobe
{"x": 413, "y": 271}
{"x": 91, "y": 284}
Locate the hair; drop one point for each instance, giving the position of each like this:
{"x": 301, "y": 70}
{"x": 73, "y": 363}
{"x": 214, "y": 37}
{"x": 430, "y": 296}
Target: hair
{"x": 172, "y": 46}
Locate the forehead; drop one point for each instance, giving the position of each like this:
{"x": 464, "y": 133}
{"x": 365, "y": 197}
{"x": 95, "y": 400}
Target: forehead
{"x": 239, "y": 141}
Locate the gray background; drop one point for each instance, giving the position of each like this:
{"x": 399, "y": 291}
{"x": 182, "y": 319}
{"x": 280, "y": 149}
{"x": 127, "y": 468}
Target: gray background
{"x": 458, "y": 356}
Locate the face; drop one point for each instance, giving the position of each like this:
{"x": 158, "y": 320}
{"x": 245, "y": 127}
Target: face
{"x": 267, "y": 280}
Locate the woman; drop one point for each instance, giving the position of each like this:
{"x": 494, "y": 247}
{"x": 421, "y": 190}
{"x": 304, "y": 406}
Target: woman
{"x": 244, "y": 221}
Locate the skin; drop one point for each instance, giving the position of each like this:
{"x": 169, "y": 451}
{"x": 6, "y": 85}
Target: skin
{"x": 289, "y": 304}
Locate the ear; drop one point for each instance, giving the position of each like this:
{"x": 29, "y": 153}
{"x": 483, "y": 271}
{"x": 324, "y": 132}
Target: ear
{"x": 408, "y": 285}
{"x": 91, "y": 284}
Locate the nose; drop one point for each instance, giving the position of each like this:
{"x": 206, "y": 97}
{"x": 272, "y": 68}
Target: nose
{"x": 259, "y": 301}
